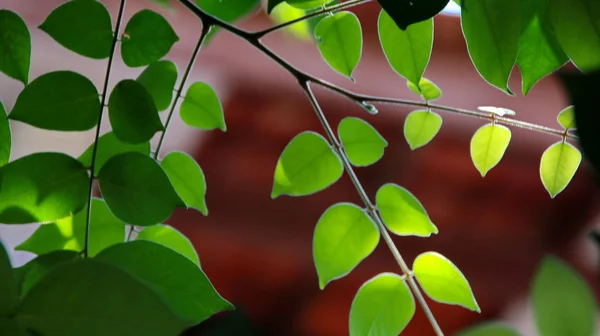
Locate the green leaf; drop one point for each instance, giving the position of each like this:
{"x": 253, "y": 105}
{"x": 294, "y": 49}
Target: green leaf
{"x": 488, "y": 146}
{"x": 407, "y": 51}
{"x": 8, "y": 288}
{"x": 137, "y": 190}
{"x": 187, "y": 178}
{"x": 83, "y": 27}
{"x": 38, "y": 268}
{"x": 272, "y": 4}
{"x": 362, "y": 142}
{"x": 285, "y": 13}
{"x": 539, "y": 51}
{"x": 132, "y": 112}
{"x": 442, "y": 281}
{"x": 345, "y": 235}
{"x": 93, "y": 298}
{"x": 492, "y": 40}
{"x": 426, "y": 89}
{"x": 228, "y": 10}
{"x": 307, "y": 165}
{"x": 307, "y": 4}
{"x": 406, "y": 13}
{"x": 58, "y": 101}
{"x": 108, "y": 146}
{"x": 340, "y": 41}
{"x": 566, "y": 117}
{"x": 558, "y": 166}
{"x": 9, "y": 326}
{"x": 402, "y": 212}
{"x": 202, "y": 108}
{"x": 190, "y": 294}
{"x": 421, "y": 127}
{"x": 15, "y": 46}
{"x": 563, "y": 303}
{"x": 159, "y": 80}
{"x": 148, "y": 37}
{"x": 69, "y": 233}
{"x": 5, "y": 137}
{"x": 383, "y": 306}
{"x": 577, "y": 29}
{"x": 489, "y": 329}
{"x": 42, "y": 187}
{"x": 168, "y": 236}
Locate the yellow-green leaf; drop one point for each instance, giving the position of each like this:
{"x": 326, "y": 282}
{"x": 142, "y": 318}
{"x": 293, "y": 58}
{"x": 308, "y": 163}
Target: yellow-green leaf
{"x": 362, "y": 142}
{"x": 402, "y": 212}
{"x": 566, "y": 117}
{"x": 426, "y": 89}
{"x": 421, "y": 127}
{"x": 488, "y": 146}
{"x": 340, "y": 42}
{"x": 558, "y": 166}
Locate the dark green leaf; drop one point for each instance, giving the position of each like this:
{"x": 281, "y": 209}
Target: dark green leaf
{"x": 108, "y": 146}
{"x": 362, "y": 142}
{"x": 228, "y": 10}
{"x": 42, "y": 187}
{"x": 132, "y": 112}
{"x": 187, "y": 178}
{"x": 148, "y": 37}
{"x": 168, "y": 236}
{"x": 93, "y": 298}
{"x": 9, "y": 326}
{"x": 489, "y": 329}
{"x": 492, "y": 39}
{"x": 340, "y": 41}
{"x": 189, "y": 293}
{"x": 38, "y": 268}
{"x": 202, "y": 108}
{"x": 307, "y": 165}
{"x": 81, "y": 26}
{"x": 15, "y": 46}
{"x": 5, "y": 137}
{"x": 58, "y": 101}
{"x": 405, "y": 13}
{"x": 402, "y": 212}
{"x": 159, "y": 80}
{"x": 137, "y": 190}
{"x": 9, "y": 296}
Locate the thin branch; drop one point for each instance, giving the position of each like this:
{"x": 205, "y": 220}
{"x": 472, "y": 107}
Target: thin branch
{"x": 97, "y": 136}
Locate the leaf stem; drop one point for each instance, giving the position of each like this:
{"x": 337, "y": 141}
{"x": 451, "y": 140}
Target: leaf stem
{"x": 97, "y": 136}
{"x": 206, "y": 28}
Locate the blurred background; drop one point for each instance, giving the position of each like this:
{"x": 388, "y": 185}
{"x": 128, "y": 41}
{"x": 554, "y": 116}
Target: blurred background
{"x": 258, "y": 251}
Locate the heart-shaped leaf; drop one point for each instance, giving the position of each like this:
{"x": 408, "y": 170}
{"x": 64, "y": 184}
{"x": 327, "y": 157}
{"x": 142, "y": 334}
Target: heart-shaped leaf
{"x": 558, "y": 166}
{"x": 15, "y": 53}
{"x": 202, "y": 108}
{"x": 168, "y": 236}
{"x": 5, "y": 137}
{"x": 187, "y": 178}
{"x": 488, "y": 146}
{"x": 362, "y": 142}
{"x": 108, "y": 146}
{"x": 405, "y": 12}
{"x": 159, "y": 80}
{"x": 148, "y": 37}
{"x": 421, "y": 127}
{"x": 340, "y": 41}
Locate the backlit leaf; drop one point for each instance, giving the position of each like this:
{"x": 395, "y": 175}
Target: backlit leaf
{"x": 171, "y": 238}
{"x": 558, "y": 166}
{"x": 39, "y": 267}
{"x": 488, "y": 146}
{"x": 81, "y": 26}
{"x": 402, "y": 212}
{"x": 148, "y": 37}
{"x": 362, "y": 142}
{"x": 159, "y": 80}
{"x": 15, "y": 53}
{"x": 442, "y": 281}
{"x": 42, "y": 187}
{"x": 426, "y": 89}
{"x": 132, "y": 112}
{"x": 489, "y": 329}
{"x": 344, "y": 236}
{"x": 307, "y": 4}
{"x": 5, "y": 137}
{"x": 566, "y": 117}
{"x": 421, "y": 127}
{"x": 284, "y": 13}
{"x": 202, "y": 108}
{"x": 187, "y": 178}
{"x": 8, "y": 288}
{"x": 272, "y": 4}
{"x": 108, "y": 146}
{"x": 58, "y": 101}
{"x": 307, "y": 165}
{"x": 137, "y": 190}
{"x": 405, "y": 13}
{"x": 383, "y": 306}
{"x": 340, "y": 41}
{"x": 407, "y": 51}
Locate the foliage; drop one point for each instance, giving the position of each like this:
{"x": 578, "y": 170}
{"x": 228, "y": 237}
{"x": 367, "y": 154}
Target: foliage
{"x": 90, "y": 278}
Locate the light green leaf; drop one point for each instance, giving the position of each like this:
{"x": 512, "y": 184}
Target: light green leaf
{"x": 69, "y": 233}
{"x": 577, "y": 29}
{"x": 8, "y": 287}
{"x": 566, "y": 117}
{"x": 171, "y": 238}
{"x": 344, "y": 236}
{"x": 442, "y": 281}
{"x": 159, "y": 80}
{"x": 558, "y": 166}
{"x": 426, "y": 89}
{"x": 93, "y": 298}
{"x": 284, "y": 13}
{"x": 15, "y": 46}
{"x": 421, "y": 127}
{"x": 402, "y": 212}
{"x": 189, "y": 293}
{"x": 137, "y": 190}
{"x": 340, "y": 41}
{"x": 492, "y": 40}
{"x": 42, "y": 187}
{"x": 148, "y": 37}
{"x": 362, "y": 142}
{"x": 272, "y": 4}
{"x": 307, "y": 4}
{"x": 489, "y": 329}
{"x": 407, "y": 51}
{"x": 5, "y": 137}
{"x": 488, "y": 146}
{"x": 38, "y": 268}
{"x": 187, "y": 178}
{"x": 202, "y": 108}
{"x": 132, "y": 112}
{"x": 108, "y": 146}
{"x": 58, "y": 101}
{"x": 81, "y": 26}
{"x": 307, "y": 165}
{"x": 563, "y": 303}
{"x": 383, "y": 306}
